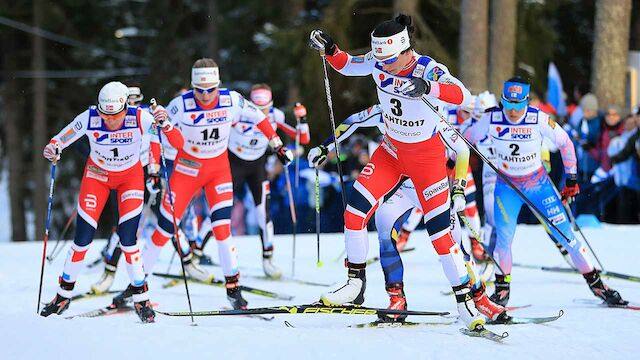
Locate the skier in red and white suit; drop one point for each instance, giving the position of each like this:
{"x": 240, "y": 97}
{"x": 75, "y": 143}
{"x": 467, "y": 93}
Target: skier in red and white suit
{"x": 409, "y": 149}
{"x": 115, "y": 133}
{"x": 206, "y": 115}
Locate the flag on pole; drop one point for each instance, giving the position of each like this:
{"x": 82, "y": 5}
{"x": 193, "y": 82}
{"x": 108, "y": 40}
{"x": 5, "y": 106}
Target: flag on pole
{"x": 555, "y": 94}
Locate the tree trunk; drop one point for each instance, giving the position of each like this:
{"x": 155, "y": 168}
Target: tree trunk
{"x": 39, "y": 133}
{"x": 473, "y": 44}
{"x": 610, "y": 51}
{"x": 14, "y": 139}
{"x": 502, "y": 48}
{"x": 408, "y": 7}
{"x": 212, "y": 29}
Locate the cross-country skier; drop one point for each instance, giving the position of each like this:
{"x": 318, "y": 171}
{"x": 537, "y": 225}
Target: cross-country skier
{"x": 206, "y": 115}
{"x": 248, "y": 158}
{"x": 153, "y": 187}
{"x": 115, "y": 133}
{"x": 517, "y": 132}
{"x": 397, "y": 209}
{"x": 410, "y": 149}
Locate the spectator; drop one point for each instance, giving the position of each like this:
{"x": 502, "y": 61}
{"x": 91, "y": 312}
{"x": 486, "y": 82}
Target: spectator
{"x": 626, "y": 172}
{"x": 586, "y": 135}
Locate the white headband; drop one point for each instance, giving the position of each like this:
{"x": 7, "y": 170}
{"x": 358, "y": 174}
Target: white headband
{"x": 390, "y": 46}
{"x": 207, "y": 75}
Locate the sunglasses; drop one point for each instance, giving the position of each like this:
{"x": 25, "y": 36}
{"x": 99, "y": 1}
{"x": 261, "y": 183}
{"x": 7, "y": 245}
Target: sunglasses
{"x": 113, "y": 117}
{"x": 205, "y": 91}
{"x": 508, "y": 105}
{"x": 388, "y": 61}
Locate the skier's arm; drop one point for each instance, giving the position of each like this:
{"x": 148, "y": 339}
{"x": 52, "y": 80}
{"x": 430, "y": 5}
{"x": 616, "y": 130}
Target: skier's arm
{"x": 349, "y": 65}
{"x": 476, "y": 131}
{"x": 290, "y": 130}
{"x": 72, "y": 132}
{"x": 453, "y": 141}
{"x": 369, "y": 117}
{"x": 445, "y": 86}
{"x": 561, "y": 140}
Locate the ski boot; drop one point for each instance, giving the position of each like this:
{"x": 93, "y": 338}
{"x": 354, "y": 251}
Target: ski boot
{"x": 270, "y": 270}
{"x": 198, "y": 254}
{"x": 105, "y": 281}
{"x": 60, "y": 303}
{"x": 195, "y": 271}
{"x": 488, "y": 308}
{"x": 478, "y": 250}
{"x": 402, "y": 240}
{"x": 397, "y": 301}
{"x": 350, "y": 293}
{"x": 123, "y": 299}
{"x": 601, "y": 290}
{"x": 145, "y": 312}
{"x": 503, "y": 288}
{"x": 234, "y": 294}
{"x": 467, "y": 309}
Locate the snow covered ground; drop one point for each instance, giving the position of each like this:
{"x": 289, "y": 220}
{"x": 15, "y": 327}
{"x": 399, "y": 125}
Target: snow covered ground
{"x": 584, "y": 332}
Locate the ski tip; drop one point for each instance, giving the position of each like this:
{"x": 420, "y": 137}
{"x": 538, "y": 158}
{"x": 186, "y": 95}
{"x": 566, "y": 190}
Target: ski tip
{"x": 560, "y": 313}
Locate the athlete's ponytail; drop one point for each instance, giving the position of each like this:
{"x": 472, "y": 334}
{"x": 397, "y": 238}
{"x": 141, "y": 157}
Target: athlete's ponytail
{"x": 405, "y": 21}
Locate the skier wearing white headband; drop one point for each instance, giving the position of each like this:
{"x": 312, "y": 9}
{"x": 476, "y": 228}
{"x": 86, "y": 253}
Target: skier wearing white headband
{"x": 411, "y": 148}
{"x": 206, "y": 115}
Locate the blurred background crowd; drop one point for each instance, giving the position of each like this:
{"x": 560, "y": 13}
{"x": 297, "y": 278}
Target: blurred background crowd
{"x": 57, "y": 54}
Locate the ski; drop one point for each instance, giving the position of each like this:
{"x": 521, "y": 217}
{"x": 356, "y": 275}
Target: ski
{"x": 527, "y": 320}
{"x": 513, "y": 308}
{"x": 220, "y": 283}
{"x": 256, "y": 316}
{"x": 597, "y": 302}
{"x": 91, "y": 294}
{"x": 607, "y": 274}
{"x": 374, "y": 260}
{"x": 378, "y": 324}
{"x": 287, "y": 280}
{"x": 315, "y": 308}
{"x": 110, "y": 309}
{"x": 484, "y": 333}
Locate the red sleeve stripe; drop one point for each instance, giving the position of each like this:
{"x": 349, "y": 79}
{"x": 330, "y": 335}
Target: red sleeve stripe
{"x": 338, "y": 60}
{"x": 450, "y": 93}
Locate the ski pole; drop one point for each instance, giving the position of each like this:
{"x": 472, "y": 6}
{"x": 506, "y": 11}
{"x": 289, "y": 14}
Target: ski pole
{"x": 467, "y": 223}
{"x": 576, "y": 227}
{"x": 46, "y": 230}
{"x": 319, "y": 263}
{"x": 327, "y": 89}
{"x": 176, "y": 238}
{"x": 297, "y": 158}
{"x": 55, "y": 254}
{"x": 504, "y": 177}
{"x": 294, "y": 219}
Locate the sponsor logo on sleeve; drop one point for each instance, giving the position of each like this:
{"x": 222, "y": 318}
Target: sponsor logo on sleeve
{"x": 173, "y": 110}
{"x": 419, "y": 70}
{"x": 435, "y": 74}
{"x": 357, "y": 59}
{"x": 552, "y": 123}
{"x": 130, "y": 122}
{"x": 66, "y": 137}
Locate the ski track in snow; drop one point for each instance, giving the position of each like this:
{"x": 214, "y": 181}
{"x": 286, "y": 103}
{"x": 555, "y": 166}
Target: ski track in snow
{"x": 584, "y": 332}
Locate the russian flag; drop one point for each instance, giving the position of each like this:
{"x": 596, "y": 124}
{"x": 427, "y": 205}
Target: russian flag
{"x": 554, "y": 90}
